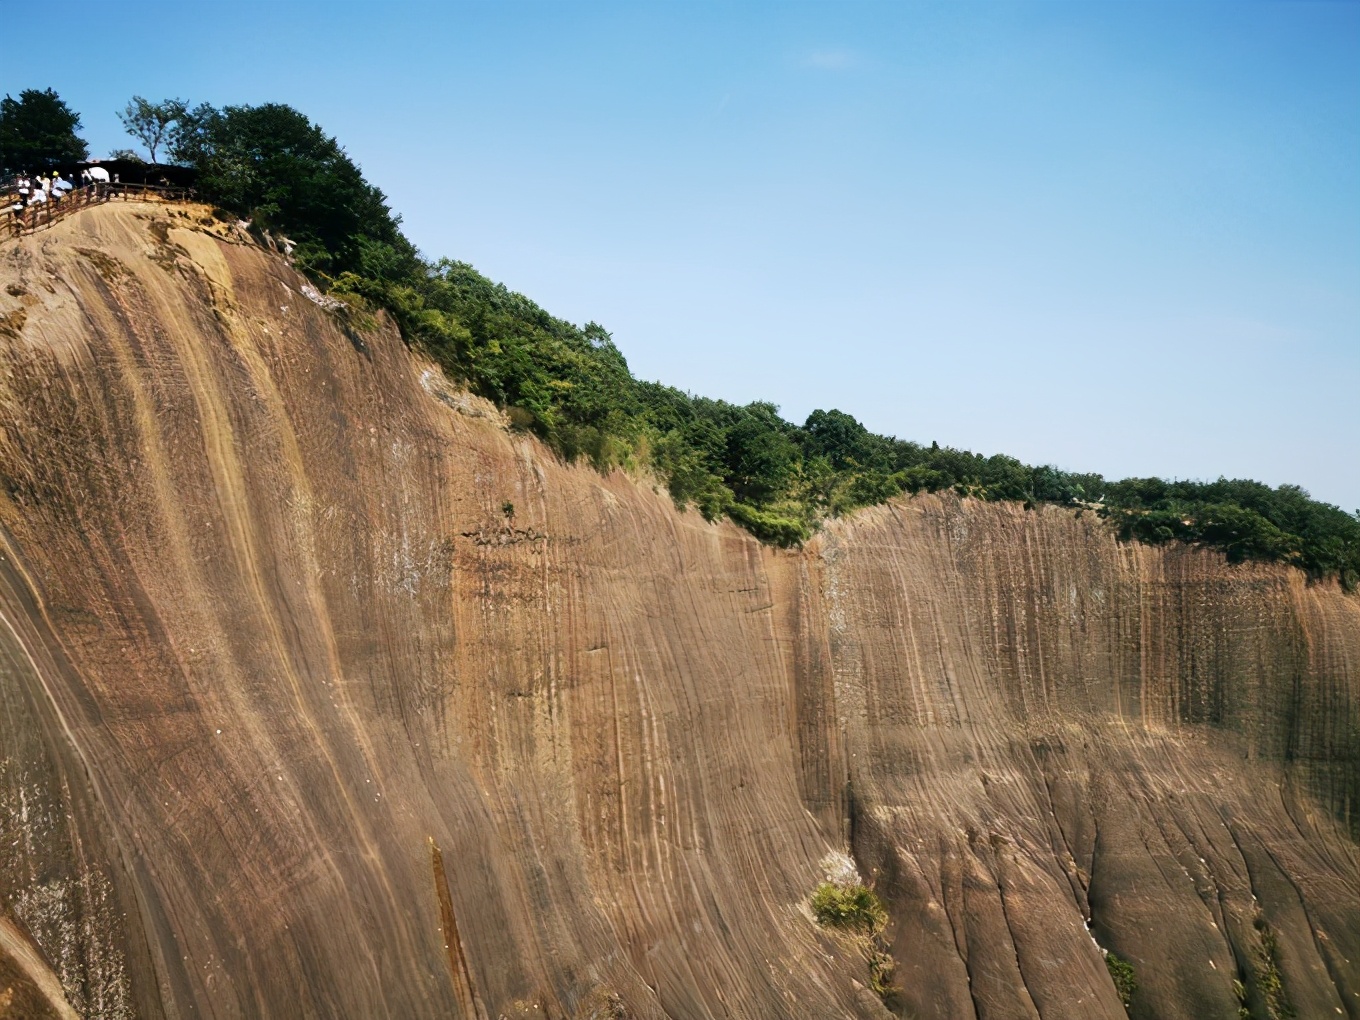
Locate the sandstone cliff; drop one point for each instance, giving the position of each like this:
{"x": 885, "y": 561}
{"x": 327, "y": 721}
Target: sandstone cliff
{"x": 324, "y": 695}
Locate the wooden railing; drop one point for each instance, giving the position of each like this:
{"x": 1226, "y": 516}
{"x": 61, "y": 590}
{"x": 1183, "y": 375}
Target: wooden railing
{"x": 17, "y": 222}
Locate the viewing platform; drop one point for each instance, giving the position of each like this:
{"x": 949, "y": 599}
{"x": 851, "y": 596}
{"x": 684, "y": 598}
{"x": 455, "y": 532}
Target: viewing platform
{"x": 36, "y": 216}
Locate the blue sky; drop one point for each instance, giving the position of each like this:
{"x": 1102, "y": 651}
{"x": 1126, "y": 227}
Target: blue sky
{"x": 1121, "y": 237}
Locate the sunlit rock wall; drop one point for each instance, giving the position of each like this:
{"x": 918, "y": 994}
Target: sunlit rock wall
{"x": 325, "y": 695}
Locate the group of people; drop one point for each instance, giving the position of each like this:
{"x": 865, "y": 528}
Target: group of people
{"x": 41, "y": 189}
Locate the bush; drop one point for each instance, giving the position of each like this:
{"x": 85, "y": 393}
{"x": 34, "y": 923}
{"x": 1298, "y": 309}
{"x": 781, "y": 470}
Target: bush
{"x": 845, "y": 904}
{"x": 881, "y": 970}
{"x": 1268, "y": 980}
{"x": 852, "y": 908}
{"x": 768, "y": 527}
{"x": 1121, "y": 973}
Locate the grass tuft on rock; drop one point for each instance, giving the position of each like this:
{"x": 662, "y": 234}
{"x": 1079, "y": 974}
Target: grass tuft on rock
{"x": 846, "y": 905}
{"x": 852, "y": 908}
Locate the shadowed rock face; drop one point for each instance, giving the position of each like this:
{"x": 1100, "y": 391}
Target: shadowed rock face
{"x": 297, "y": 721}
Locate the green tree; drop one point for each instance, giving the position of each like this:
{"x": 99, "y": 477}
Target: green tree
{"x": 37, "y": 132}
{"x": 152, "y": 123}
{"x": 760, "y": 456}
{"x": 273, "y": 165}
{"x": 838, "y": 437}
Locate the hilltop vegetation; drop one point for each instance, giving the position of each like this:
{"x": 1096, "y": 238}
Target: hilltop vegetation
{"x": 38, "y": 131}
{"x": 571, "y": 386}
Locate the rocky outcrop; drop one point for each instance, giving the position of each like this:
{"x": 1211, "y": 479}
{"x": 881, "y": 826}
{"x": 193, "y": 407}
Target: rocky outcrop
{"x": 326, "y": 695}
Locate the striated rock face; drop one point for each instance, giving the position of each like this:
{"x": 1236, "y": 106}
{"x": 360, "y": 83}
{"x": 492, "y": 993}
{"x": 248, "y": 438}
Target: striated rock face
{"x": 300, "y": 718}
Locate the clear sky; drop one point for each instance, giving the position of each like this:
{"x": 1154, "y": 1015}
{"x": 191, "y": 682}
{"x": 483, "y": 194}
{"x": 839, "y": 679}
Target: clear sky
{"x": 1121, "y": 237}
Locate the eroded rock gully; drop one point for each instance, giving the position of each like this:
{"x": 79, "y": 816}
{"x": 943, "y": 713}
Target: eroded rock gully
{"x": 297, "y": 721}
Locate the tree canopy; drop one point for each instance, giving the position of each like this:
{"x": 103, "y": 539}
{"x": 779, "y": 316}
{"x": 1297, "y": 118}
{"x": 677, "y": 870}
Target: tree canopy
{"x": 152, "y": 124}
{"x": 38, "y": 132}
{"x": 273, "y": 165}
{"x": 571, "y": 385}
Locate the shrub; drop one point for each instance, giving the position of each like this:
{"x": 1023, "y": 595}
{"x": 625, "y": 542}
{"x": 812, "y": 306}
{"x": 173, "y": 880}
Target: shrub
{"x": 768, "y": 527}
{"x": 852, "y": 908}
{"x": 1121, "y": 973}
{"x": 1267, "y": 974}
{"x": 881, "y": 969}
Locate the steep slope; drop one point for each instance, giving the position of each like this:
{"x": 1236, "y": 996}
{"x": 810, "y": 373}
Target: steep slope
{"x": 325, "y": 695}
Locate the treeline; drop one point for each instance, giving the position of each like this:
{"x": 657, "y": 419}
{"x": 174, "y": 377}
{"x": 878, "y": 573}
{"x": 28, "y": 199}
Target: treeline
{"x": 571, "y": 386}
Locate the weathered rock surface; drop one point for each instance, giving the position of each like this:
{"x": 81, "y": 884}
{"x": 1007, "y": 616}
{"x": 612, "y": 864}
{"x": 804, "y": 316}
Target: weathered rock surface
{"x": 297, "y": 721}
